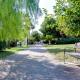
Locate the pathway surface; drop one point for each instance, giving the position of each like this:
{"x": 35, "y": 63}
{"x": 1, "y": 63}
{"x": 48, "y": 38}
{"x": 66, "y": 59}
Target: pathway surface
{"x": 36, "y": 63}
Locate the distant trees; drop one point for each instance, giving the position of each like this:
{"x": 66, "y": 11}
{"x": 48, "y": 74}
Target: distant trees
{"x": 49, "y": 28}
{"x": 34, "y": 37}
{"x": 64, "y": 24}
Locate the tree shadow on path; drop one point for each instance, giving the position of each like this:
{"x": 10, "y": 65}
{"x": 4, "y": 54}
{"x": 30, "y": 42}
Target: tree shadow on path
{"x": 24, "y": 67}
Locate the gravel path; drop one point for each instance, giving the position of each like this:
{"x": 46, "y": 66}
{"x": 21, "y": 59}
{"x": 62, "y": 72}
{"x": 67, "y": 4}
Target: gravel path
{"x": 36, "y": 64}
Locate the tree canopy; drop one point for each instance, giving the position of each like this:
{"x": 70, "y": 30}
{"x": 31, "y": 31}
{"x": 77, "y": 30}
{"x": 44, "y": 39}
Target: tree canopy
{"x": 67, "y": 16}
{"x": 49, "y": 28}
{"x": 36, "y": 36}
{"x": 15, "y": 18}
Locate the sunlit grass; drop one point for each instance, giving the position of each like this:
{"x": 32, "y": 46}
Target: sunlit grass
{"x": 15, "y": 49}
{"x": 58, "y": 51}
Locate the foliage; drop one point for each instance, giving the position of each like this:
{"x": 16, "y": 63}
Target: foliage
{"x": 11, "y": 18}
{"x": 45, "y": 11}
{"x": 32, "y": 7}
{"x": 67, "y": 40}
{"x": 15, "y": 18}
{"x": 49, "y": 38}
{"x": 31, "y": 40}
{"x": 48, "y": 28}
{"x": 8, "y": 17}
{"x": 2, "y": 45}
{"x": 36, "y": 36}
{"x": 67, "y": 16}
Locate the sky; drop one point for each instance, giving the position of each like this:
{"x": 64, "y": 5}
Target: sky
{"x": 47, "y": 4}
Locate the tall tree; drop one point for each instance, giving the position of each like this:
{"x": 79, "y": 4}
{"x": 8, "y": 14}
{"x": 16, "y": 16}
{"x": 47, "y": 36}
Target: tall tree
{"x": 49, "y": 28}
{"x": 11, "y": 18}
{"x": 68, "y": 13}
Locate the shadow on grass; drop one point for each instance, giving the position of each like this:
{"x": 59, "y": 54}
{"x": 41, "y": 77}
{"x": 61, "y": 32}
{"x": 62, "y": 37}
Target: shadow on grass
{"x": 4, "y": 54}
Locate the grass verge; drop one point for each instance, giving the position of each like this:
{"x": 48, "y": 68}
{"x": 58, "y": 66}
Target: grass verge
{"x": 15, "y": 49}
{"x": 4, "y": 54}
{"x": 58, "y": 51}
{"x": 7, "y": 52}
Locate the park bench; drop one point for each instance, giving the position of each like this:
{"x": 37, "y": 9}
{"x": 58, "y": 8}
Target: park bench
{"x": 75, "y": 53}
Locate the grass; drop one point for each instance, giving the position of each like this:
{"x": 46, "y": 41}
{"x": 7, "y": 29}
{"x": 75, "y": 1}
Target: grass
{"x": 58, "y": 51}
{"x": 4, "y": 54}
{"x": 15, "y": 49}
{"x": 7, "y": 52}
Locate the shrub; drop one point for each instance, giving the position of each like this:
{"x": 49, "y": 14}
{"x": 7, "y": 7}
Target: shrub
{"x": 67, "y": 40}
{"x": 2, "y": 45}
{"x": 13, "y": 43}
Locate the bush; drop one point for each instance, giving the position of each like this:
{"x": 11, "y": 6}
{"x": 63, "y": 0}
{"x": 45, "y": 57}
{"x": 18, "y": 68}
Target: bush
{"x": 31, "y": 40}
{"x": 67, "y": 40}
{"x": 13, "y": 43}
{"x": 8, "y": 44}
{"x": 2, "y": 45}
{"x": 45, "y": 42}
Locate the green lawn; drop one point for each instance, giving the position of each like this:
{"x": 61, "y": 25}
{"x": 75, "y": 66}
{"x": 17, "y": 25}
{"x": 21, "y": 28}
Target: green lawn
{"x": 14, "y": 49}
{"x": 8, "y": 52}
{"x": 58, "y": 51}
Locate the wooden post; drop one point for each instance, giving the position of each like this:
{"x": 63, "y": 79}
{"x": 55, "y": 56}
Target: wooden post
{"x": 75, "y": 47}
{"x": 75, "y": 50}
{"x": 64, "y": 56}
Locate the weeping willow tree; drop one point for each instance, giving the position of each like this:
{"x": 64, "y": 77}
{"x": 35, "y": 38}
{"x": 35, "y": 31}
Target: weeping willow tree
{"x": 16, "y": 17}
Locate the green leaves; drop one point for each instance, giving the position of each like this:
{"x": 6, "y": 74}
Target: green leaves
{"x": 32, "y": 6}
{"x": 49, "y": 28}
{"x": 12, "y": 18}
{"x": 68, "y": 17}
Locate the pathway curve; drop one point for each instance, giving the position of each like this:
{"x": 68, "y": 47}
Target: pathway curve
{"x": 36, "y": 63}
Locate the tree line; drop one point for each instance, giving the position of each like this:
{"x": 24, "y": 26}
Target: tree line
{"x": 64, "y": 26}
